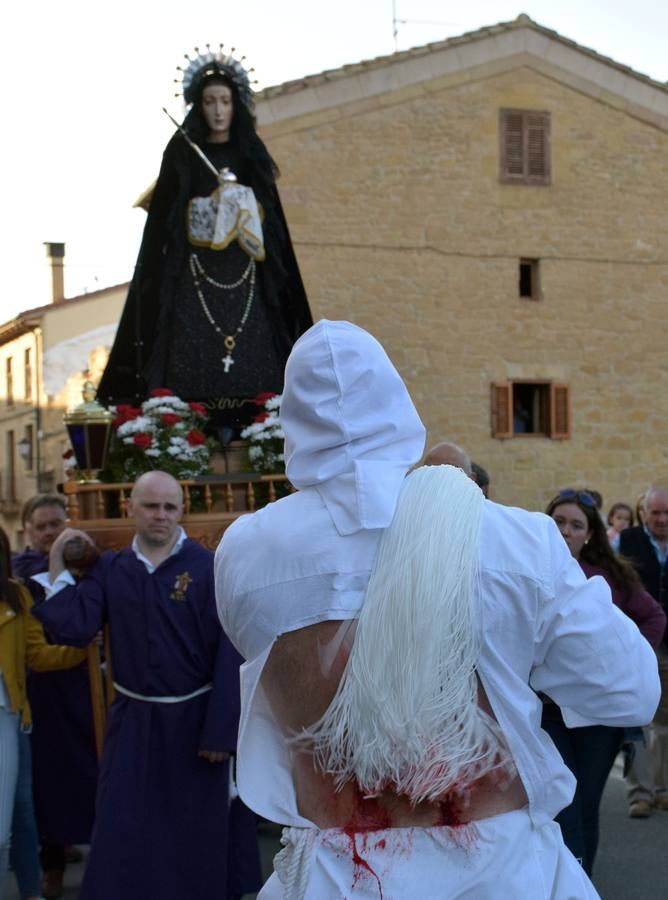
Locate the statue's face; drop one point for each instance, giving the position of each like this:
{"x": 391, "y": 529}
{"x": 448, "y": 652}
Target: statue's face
{"x": 218, "y": 109}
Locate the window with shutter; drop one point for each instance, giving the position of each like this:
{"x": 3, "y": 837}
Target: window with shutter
{"x": 531, "y": 409}
{"x": 524, "y": 155}
{"x": 9, "y": 381}
{"x": 561, "y": 411}
{"x": 502, "y": 406}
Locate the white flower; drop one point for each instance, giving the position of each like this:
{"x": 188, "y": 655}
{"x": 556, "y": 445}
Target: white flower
{"x": 164, "y": 405}
{"x": 141, "y": 423}
{"x": 151, "y": 451}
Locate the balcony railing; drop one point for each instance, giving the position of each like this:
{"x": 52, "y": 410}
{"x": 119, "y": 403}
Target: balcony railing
{"x": 211, "y": 503}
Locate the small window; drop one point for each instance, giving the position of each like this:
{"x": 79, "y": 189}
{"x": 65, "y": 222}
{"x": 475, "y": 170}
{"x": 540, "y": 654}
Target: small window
{"x": 9, "y": 381}
{"x": 529, "y": 286}
{"x": 27, "y": 375}
{"x": 524, "y": 147}
{"x": 530, "y": 409}
{"x": 9, "y": 487}
{"x": 30, "y": 448}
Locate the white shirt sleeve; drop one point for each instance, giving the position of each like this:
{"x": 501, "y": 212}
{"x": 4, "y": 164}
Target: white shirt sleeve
{"x": 590, "y": 658}
{"x": 42, "y": 578}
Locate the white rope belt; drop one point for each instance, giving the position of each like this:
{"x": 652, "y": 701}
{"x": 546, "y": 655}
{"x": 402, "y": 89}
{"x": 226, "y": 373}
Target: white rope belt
{"x": 293, "y": 863}
{"x": 147, "y": 699}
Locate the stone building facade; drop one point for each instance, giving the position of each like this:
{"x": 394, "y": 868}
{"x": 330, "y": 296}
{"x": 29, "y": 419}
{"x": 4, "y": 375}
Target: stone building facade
{"x": 494, "y": 208}
{"x": 506, "y": 303}
{"x": 46, "y": 354}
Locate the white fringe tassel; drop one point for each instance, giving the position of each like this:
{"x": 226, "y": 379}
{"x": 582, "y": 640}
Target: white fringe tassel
{"x": 406, "y": 714}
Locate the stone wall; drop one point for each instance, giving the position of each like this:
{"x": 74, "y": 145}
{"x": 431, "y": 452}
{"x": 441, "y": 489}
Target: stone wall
{"x": 401, "y": 225}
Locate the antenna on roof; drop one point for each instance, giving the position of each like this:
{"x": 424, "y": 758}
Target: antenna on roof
{"x": 396, "y": 22}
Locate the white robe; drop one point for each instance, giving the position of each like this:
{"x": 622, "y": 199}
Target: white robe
{"x": 351, "y": 434}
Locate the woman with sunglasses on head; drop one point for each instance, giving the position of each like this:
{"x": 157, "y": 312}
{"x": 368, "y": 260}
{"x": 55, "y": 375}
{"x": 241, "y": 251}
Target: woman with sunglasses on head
{"x": 22, "y": 644}
{"x": 590, "y": 752}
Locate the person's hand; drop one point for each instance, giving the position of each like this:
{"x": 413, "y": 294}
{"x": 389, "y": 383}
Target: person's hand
{"x": 214, "y": 756}
{"x": 56, "y": 561}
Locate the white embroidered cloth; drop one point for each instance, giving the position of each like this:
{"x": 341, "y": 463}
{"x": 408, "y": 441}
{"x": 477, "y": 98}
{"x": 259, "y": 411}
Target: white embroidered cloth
{"x": 230, "y": 213}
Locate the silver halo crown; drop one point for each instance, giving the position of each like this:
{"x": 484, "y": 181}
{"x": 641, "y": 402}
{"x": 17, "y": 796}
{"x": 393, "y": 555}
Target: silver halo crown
{"x": 215, "y": 62}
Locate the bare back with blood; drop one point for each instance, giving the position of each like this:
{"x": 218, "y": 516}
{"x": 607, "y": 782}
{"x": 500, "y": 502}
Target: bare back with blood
{"x": 300, "y": 680}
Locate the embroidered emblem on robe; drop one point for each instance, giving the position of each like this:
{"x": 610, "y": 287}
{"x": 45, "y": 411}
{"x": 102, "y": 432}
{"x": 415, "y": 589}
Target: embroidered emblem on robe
{"x": 180, "y": 586}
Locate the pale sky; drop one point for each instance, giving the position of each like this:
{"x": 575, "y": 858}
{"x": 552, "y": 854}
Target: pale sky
{"x": 84, "y": 81}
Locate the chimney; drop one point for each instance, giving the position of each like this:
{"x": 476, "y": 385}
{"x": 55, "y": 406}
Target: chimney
{"x": 55, "y": 253}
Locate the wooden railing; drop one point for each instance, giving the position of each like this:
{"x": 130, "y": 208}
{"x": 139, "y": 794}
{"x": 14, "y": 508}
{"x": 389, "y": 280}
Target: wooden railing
{"x": 211, "y": 503}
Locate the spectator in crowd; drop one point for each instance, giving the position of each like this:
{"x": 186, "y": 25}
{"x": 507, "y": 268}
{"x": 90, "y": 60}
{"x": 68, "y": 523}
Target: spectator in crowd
{"x": 590, "y": 751}
{"x": 597, "y": 497}
{"x": 22, "y": 644}
{"x": 619, "y": 518}
{"x": 480, "y": 477}
{"x": 63, "y": 739}
{"x": 447, "y": 454}
{"x": 646, "y": 546}
{"x": 640, "y": 507}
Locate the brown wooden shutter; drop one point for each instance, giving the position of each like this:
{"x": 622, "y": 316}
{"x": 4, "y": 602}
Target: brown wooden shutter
{"x": 538, "y": 147}
{"x": 502, "y": 410}
{"x": 524, "y": 146}
{"x": 512, "y": 146}
{"x": 560, "y": 411}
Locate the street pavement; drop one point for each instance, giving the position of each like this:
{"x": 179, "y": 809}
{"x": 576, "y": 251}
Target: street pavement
{"x": 632, "y": 862}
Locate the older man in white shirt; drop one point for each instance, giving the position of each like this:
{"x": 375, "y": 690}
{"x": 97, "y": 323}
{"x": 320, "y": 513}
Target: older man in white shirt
{"x": 396, "y": 631}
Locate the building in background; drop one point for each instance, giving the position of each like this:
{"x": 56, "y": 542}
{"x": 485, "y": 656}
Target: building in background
{"x": 45, "y": 356}
{"x": 495, "y": 209}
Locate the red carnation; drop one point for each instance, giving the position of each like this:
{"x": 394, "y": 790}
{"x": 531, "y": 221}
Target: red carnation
{"x": 261, "y": 417}
{"x": 125, "y": 413}
{"x": 198, "y": 408}
{"x": 143, "y": 439}
{"x": 170, "y": 419}
{"x": 262, "y": 398}
{"x": 161, "y": 392}
{"x": 195, "y": 437}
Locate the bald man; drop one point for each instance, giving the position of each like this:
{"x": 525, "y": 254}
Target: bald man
{"x": 163, "y": 802}
{"x": 447, "y": 454}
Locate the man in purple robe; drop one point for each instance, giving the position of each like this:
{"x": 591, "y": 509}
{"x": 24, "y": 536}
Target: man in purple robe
{"x": 63, "y": 743}
{"x": 165, "y": 825}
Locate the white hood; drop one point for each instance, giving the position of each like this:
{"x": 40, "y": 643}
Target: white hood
{"x": 351, "y": 430}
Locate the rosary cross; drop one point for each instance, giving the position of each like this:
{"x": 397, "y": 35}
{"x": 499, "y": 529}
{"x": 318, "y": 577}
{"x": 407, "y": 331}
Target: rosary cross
{"x": 227, "y": 361}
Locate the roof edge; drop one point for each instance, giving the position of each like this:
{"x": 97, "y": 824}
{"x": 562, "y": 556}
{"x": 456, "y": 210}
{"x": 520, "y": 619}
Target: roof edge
{"x": 281, "y": 92}
{"x": 29, "y": 319}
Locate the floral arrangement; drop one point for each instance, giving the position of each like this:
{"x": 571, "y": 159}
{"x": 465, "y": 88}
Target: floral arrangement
{"x": 265, "y": 436}
{"x": 163, "y": 433}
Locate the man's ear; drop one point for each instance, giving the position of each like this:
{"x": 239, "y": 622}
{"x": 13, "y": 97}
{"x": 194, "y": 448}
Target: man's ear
{"x": 129, "y": 508}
